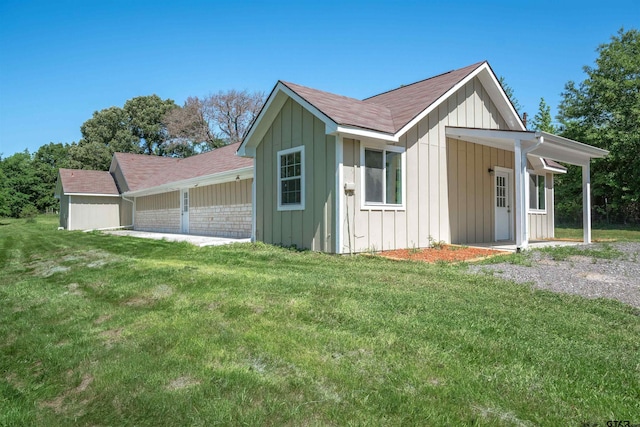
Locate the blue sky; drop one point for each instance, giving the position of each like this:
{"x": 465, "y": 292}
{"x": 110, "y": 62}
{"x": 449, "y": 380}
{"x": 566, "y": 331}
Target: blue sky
{"x": 61, "y": 61}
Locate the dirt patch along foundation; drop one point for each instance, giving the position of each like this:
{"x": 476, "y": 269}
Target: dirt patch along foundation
{"x": 446, "y": 253}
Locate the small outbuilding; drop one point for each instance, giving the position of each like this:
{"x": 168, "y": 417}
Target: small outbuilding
{"x": 88, "y": 199}
{"x": 207, "y": 194}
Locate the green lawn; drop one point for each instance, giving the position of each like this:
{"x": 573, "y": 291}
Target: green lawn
{"x": 102, "y": 330}
{"x": 618, "y": 233}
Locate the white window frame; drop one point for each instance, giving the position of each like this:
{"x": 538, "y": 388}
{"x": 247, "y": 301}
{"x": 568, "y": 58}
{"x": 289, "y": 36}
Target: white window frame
{"x": 364, "y": 205}
{"x": 298, "y": 206}
{"x": 532, "y": 209}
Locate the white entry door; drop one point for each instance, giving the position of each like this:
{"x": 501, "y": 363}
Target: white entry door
{"x": 502, "y": 204}
{"x": 184, "y": 211}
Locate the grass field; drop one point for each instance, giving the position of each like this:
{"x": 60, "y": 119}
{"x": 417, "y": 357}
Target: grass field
{"x": 102, "y": 330}
{"x": 617, "y": 233}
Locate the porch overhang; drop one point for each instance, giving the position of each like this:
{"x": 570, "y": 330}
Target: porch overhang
{"x": 539, "y": 144}
{"x": 554, "y": 147}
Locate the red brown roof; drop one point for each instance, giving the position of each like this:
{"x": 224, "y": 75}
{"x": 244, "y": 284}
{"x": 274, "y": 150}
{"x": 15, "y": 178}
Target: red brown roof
{"x": 387, "y": 112}
{"x": 87, "y": 182}
{"x": 144, "y": 171}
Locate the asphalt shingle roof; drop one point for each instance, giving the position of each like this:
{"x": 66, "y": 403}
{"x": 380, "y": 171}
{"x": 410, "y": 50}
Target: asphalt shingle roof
{"x": 144, "y": 171}
{"x": 87, "y": 182}
{"x": 387, "y": 112}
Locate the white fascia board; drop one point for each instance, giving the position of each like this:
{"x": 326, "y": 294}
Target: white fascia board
{"x": 539, "y": 165}
{"x": 257, "y": 130}
{"x": 350, "y": 131}
{"x": 477, "y": 72}
{"x": 217, "y": 178}
{"x": 113, "y": 163}
{"x": 591, "y": 151}
{"x": 497, "y": 93}
{"x": 270, "y": 110}
{"x": 329, "y": 123}
{"x": 461, "y": 133}
{"x": 92, "y": 194}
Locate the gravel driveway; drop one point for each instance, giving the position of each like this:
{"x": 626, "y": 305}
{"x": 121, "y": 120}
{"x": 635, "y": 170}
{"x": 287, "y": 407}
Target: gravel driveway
{"x": 582, "y": 275}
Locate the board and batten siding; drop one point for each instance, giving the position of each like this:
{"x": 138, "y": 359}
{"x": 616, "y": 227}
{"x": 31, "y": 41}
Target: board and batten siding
{"x": 471, "y": 190}
{"x": 92, "y": 212}
{"x": 541, "y": 225}
{"x": 311, "y": 228}
{"x": 435, "y": 209}
{"x": 64, "y": 211}
{"x": 158, "y": 212}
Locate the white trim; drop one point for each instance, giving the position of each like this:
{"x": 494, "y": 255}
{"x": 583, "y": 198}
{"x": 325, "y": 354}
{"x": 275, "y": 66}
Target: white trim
{"x": 274, "y": 100}
{"x": 253, "y": 203}
{"x": 510, "y": 206}
{"x": 359, "y": 133}
{"x": 496, "y": 89}
{"x": 299, "y": 206}
{"x": 528, "y": 191}
{"x": 92, "y": 194}
{"x": 133, "y": 211}
{"x": 586, "y": 202}
{"x": 339, "y": 193}
{"x": 183, "y": 229}
{"x": 216, "y": 178}
{"x": 69, "y": 214}
{"x": 477, "y": 72}
{"x": 368, "y": 206}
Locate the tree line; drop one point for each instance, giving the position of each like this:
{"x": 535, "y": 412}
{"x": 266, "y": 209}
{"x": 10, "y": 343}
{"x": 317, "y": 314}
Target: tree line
{"x": 603, "y": 110}
{"x": 144, "y": 125}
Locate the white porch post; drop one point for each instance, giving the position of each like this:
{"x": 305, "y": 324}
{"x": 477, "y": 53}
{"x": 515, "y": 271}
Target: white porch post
{"x": 586, "y": 202}
{"x": 520, "y": 181}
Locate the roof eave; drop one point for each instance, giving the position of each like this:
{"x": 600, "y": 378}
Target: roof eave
{"x": 272, "y": 106}
{"x": 357, "y": 132}
{"x": 216, "y": 178}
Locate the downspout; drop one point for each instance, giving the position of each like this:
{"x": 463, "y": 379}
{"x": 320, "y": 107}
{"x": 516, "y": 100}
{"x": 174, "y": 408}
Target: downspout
{"x": 253, "y": 203}
{"x": 522, "y": 231}
{"x": 133, "y": 212}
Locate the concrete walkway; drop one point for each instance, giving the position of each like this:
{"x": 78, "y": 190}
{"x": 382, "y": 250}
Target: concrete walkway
{"x": 190, "y": 238}
{"x": 510, "y": 246}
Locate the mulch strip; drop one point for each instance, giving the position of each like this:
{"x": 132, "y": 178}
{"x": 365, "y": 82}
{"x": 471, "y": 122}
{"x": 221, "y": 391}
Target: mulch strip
{"x": 446, "y": 253}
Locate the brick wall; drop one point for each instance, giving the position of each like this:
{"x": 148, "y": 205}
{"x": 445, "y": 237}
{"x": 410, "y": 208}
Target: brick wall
{"x": 221, "y": 221}
{"x": 158, "y": 220}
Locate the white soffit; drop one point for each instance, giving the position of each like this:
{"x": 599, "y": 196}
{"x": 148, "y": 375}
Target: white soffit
{"x": 554, "y": 147}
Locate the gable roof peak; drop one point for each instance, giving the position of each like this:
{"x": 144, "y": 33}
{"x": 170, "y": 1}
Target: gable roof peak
{"x": 408, "y": 85}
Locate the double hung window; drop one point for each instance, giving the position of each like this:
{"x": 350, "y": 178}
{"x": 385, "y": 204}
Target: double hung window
{"x": 537, "y": 199}
{"x": 291, "y": 179}
{"x": 383, "y": 177}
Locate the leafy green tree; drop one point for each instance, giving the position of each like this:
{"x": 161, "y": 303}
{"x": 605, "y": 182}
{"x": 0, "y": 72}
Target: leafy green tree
{"x": 145, "y": 116}
{"x": 604, "y": 110}
{"x": 5, "y": 211}
{"x": 542, "y": 120}
{"x": 509, "y": 91}
{"x": 107, "y": 132}
{"x": 46, "y": 162}
{"x": 21, "y": 185}
{"x": 136, "y": 128}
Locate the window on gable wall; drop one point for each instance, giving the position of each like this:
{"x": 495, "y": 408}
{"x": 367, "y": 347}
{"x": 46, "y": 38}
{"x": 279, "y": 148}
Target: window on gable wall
{"x": 291, "y": 179}
{"x": 537, "y": 192}
{"x": 383, "y": 176}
